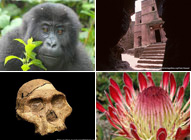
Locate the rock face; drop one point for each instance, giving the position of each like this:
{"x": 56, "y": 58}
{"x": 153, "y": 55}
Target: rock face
{"x": 177, "y": 52}
{"x": 113, "y": 18}
{"x": 126, "y": 42}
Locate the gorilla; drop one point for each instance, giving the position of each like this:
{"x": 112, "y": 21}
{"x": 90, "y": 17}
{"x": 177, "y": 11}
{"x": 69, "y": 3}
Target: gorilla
{"x": 58, "y": 27}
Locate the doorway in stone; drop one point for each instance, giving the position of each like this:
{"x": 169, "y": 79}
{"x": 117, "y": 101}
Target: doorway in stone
{"x": 139, "y": 41}
{"x": 157, "y": 36}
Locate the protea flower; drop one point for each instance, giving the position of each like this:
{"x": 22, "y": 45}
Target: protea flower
{"x": 154, "y": 113}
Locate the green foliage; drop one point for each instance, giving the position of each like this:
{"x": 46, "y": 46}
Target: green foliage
{"x": 99, "y": 132}
{"x": 30, "y": 56}
{"x": 14, "y": 23}
{"x": 119, "y": 138}
{"x": 8, "y": 18}
{"x": 87, "y": 36}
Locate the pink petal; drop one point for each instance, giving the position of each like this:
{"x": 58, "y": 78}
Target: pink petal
{"x": 115, "y": 85}
{"x": 142, "y": 81}
{"x": 186, "y": 80}
{"x": 110, "y": 102}
{"x": 148, "y": 74}
{"x": 100, "y": 107}
{"x": 111, "y": 122}
{"x": 126, "y": 132}
{"x": 114, "y": 94}
{"x": 180, "y": 94}
{"x": 126, "y": 89}
{"x": 161, "y": 134}
{"x": 112, "y": 115}
{"x": 178, "y": 133}
{"x": 181, "y": 134}
{"x": 127, "y": 95}
{"x": 128, "y": 82}
{"x": 151, "y": 82}
{"x": 134, "y": 131}
{"x": 172, "y": 86}
{"x": 165, "y": 80}
{"x": 135, "y": 135}
{"x": 132, "y": 126}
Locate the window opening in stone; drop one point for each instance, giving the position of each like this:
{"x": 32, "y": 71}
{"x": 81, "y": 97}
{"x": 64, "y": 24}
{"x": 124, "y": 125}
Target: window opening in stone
{"x": 153, "y": 8}
{"x": 157, "y": 36}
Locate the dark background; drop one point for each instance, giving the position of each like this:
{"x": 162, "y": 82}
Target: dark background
{"x": 79, "y": 89}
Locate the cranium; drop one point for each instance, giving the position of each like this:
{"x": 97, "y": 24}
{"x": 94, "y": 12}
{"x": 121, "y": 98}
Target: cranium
{"x": 38, "y": 102}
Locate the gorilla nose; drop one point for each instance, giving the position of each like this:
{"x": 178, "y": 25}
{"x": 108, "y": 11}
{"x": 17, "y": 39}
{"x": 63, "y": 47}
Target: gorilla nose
{"x": 51, "y": 44}
{"x": 51, "y": 116}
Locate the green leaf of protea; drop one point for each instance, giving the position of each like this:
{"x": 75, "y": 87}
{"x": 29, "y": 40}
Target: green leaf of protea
{"x": 11, "y": 57}
{"x": 25, "y": 67}
{"x": 38, "y": 63}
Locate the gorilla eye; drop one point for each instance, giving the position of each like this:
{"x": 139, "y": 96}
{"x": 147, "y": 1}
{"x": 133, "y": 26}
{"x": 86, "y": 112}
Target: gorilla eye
{"x": 45, "y": 29}
{"x": 60, "y": 31}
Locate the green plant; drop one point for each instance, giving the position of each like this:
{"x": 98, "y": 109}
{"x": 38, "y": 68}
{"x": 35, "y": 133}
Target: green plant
{"x": 87, "y": 35}
{"x": 9, "y": 19}
{"x": 30, "y": 56}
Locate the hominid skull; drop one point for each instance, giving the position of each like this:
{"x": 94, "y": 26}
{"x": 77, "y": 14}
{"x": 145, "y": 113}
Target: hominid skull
{"x": 38, "y": 102}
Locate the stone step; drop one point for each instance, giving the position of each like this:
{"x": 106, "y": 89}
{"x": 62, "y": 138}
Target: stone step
{"x": 150, "y": 61}
{"x": 153, "y": 52}
{"x": 152, "y": 57}
{"x": 157, "y": 45}
{"x": 154, "y": 48}
{"x": 147, "y": 66}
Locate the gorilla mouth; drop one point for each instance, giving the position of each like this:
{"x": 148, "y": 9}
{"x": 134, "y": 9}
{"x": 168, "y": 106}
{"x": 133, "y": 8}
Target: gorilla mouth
{"x": 48, "y": 56}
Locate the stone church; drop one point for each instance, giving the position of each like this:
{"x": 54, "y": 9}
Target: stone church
{"x": 148, "y": 26}
{"x": 148, "y": 33}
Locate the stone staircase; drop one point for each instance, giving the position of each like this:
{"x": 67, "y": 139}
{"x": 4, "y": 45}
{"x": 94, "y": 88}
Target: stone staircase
{"x": 152, "y": 57}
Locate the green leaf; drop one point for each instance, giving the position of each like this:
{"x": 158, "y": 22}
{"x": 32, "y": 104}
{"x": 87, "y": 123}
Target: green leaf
{"x": 88, "y": 13}
{"x": 37, "y": 43}
{"x": 11, "y": 57}
{"x": 30, "y": 47}
{"x": 10, "y": 8}
{"x": 38, "y": 63}
{"x": 4, "y": 20}
{"x": 32, "y": 55}
{"x": 21, "y": 41}
{"x": 25, "y": 67}
{"x": 30, "y": 40}
{"x": 119, "y": 138}
{"x": 99, "y": 132}
{"x": 14, "y": 23}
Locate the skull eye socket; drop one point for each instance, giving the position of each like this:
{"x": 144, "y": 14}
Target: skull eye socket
{"x": 36, "y": 104}
{"x": 58, "y": 101}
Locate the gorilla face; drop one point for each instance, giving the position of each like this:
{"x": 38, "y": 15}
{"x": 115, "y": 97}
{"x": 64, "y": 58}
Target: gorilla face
{"x": 57, "y": 26}
{"x": 51, "y": 52}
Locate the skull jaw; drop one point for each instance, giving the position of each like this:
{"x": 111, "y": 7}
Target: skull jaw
{"x": 44, "y": 129}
